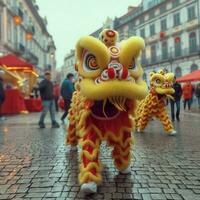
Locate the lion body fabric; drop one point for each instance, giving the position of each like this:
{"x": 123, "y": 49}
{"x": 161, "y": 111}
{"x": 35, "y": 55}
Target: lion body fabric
{"x": 103, "y": 104}
{"x": 154, "y": 104}
{"x": 89, "y": 131}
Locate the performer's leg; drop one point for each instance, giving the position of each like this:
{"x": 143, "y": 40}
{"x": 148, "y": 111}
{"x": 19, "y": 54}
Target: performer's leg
{"x": 143, "y": 121}
{"x": 90, "y": 168}
{"x": 122, "y": 153}
{"x": 166, "y": 122}
{"x": 71, "y": 137}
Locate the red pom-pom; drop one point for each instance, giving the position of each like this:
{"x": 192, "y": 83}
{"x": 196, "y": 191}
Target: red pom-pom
{"x": 124, "y": 73}
{"x": 111, "y": 73}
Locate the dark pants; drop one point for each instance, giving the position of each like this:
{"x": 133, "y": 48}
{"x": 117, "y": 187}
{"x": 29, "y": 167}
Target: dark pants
{"x": 172, "y": 103}
{"x": 48, "y": 106}
{"x": 56, "y": 103}
{"x": 188, "y": 102}
{"x": 67, "y": 103}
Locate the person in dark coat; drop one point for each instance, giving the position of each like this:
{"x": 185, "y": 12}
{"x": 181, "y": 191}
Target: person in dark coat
{"x": 197, "y": 93}
{"x": 2, "y": 96}
{"x": 177, "y": 98}
{"x": 46, "y": 93}
{"x": 67, "y": 90}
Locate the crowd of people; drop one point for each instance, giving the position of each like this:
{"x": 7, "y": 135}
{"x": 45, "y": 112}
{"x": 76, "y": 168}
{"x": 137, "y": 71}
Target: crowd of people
{"x": 51, "y": 92}
{"x": 187, "y": 92}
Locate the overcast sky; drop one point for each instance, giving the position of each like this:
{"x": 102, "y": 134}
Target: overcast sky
{"x": 68, "y": 20}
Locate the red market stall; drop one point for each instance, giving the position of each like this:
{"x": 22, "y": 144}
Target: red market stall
{"x": 33, "y": 105}
{"x": 20, "y": 77}
{"x": 14, "y": 102}
{"x": 193, "y": 76}
{"x": 18, "y": 73}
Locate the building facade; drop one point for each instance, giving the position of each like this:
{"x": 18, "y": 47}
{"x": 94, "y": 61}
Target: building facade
{"x": 23, "y": 32}
{"x": 171, "y": 29}
{"x": 69, "y": 64}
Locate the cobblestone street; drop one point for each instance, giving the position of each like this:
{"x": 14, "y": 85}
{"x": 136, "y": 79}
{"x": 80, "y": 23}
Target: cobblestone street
{"x": 35, "y": 164}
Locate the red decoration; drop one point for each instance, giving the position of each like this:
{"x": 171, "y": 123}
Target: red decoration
{"x": 111, "y": 73}
{"x": 162, "y": 35}
{"x": 177, "y": 39}
{"x": 124, "y": 73}
{"x": 110, "y": 33}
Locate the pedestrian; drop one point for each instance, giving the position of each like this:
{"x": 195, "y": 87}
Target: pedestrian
{"x": 56, "y": 92}
{"x": 67, "y": 90}
{"x": 187, "y": 94}
{"x": 2, "y": 98}
{"x": 176, "y": 101}
{"x": 197, "y": 93}
{"x": 46, "y": 93}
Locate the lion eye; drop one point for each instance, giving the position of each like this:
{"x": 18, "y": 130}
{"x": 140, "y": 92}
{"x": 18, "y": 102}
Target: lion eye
{"x": 90, "y": 62}
{"x": 158, "y": 81}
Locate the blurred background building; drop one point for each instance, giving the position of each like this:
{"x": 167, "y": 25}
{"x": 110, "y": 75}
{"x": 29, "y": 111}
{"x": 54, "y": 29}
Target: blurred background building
{"x": 23, "y": 32}
{"x": 171, "y": 32}
{"x": 171, "y": 29}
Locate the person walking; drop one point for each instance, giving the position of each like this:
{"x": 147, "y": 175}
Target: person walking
{"x": 197, "y": 93}
{"x": 46, "y": 93}
{"x": 187, "y": 94}
{"x": 2, "y": 97}
{"x": 67, "y": 90}
{"x": 56, "y": 92}
{"x": 176, "y": 101}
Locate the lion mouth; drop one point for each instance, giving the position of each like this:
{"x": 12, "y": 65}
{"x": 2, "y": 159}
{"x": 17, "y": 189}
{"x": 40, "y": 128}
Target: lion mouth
{"x": 110, "y": 107}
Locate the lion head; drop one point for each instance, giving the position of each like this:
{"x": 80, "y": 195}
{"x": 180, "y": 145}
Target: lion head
{"x": 162, "y": 82}
{"x": 110, "y": 71}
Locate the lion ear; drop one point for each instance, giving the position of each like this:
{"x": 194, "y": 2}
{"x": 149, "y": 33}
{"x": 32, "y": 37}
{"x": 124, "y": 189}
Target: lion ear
{"x": 151, "y": 74}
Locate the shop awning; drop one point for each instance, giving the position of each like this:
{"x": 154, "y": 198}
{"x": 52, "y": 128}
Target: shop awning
{"x": 12, "y": 62}
{"x": 193, "y": 76}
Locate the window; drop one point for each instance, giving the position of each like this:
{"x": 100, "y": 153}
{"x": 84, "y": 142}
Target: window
{"x": 176, "y": 19}
{"x": 142, "y": 20}
{"x": 145, "y": 77}
{"x": 177, "y": 45}
{"x": 151, "y": 14}
{"x": 0, "y": 28}
{"x": 193, "y": 67}
{"x": 191, "y": 13}
{"x": 9, "y": 25}
{"x": 152, "y": 29}
{"x": 164, "y": 50}
{"x": 142, "y": 33}
{"x": 153, "y": 53}
{"x": 178, "y": 72}
{"x": 163, "y": 24}
{"x": 143, "y": 59}
{"x": 192, "y": 42}
{"x": 175, "y": 3}
{"x": 162, "y": 8}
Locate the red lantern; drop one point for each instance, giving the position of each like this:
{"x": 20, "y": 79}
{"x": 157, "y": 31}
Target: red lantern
{"x": 29, "y": 36}
{"x": 17, "y": 20}
{"x": 162, "y": 35}
{"x": 177, "y": 39}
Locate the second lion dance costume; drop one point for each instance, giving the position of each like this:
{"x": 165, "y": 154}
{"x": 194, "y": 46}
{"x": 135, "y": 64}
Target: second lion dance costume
{"x": 154, "y": 104}
{"x": 103, "y": 105}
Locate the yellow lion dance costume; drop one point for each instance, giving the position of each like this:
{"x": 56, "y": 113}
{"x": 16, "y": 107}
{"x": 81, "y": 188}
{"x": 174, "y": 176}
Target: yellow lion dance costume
{"x": 103, "y": 105}
{"x": 154, "y": 105}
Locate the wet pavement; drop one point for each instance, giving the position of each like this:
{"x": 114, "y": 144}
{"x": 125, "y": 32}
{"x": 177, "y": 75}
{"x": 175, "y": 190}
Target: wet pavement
{"x": 35, "y": 164}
